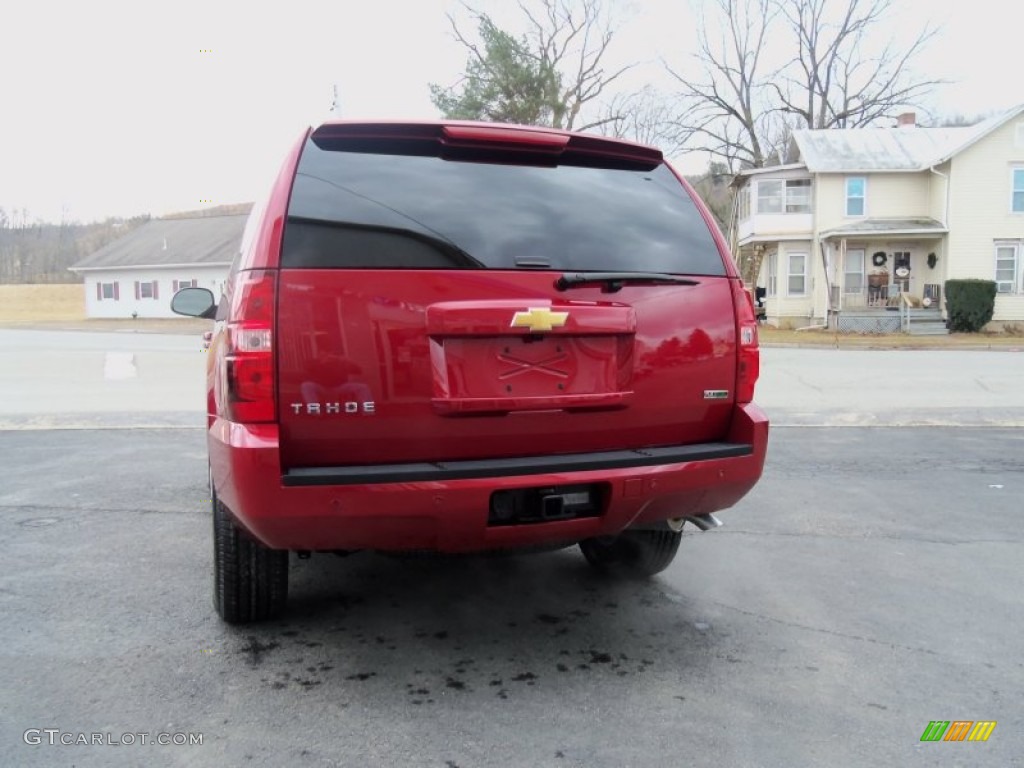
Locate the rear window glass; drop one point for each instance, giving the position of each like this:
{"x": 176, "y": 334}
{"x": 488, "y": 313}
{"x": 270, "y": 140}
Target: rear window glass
{"x": 389, "y": 211}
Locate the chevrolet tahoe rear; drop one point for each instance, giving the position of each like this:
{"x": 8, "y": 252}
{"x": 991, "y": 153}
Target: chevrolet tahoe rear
{"x": 463, "y": 337}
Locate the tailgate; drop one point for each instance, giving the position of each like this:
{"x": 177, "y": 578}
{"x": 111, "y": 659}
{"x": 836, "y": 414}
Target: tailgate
{"x": 422, "y": 366}
{"x": 421, "y": 316}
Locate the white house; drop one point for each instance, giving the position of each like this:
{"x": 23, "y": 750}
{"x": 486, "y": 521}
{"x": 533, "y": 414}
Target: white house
{"x": 136, "y": 275}
{"x": 866, "y": 222}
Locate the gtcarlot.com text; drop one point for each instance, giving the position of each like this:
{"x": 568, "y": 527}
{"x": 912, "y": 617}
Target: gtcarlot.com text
{"x": 57, "y": 737}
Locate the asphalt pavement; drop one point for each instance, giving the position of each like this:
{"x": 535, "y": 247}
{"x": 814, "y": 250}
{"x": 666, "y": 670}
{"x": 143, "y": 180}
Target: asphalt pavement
{"x": 866, "y": 587}
{"x": 861, "y": 387}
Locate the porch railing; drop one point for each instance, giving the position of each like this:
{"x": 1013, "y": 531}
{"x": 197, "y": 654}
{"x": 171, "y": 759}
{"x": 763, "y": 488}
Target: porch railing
{"x": 872, "y": 297}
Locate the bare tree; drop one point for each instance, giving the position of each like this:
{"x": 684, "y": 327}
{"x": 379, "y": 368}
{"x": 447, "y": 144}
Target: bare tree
{"x": 778, "y": 137}
{"x": 845, "y": 74}
{"x": 836, "y": 80}
{"x": 645, "y": 116}
{"x": 562, "y": 53}
{"x": 572, "y": 38}
{"x": 723, "y": 91}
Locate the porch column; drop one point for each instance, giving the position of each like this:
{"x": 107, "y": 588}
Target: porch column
{"x": 841, "y": 270}
{"x": 833, "y": 277}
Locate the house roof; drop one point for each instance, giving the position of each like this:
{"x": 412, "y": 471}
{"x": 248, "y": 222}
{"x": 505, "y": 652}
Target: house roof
{"x": 742, "y": 176}
{"x": 209, "y": 240}
{"x": 774, "y": 237}
{"x": 883, "y": 227}
{"x": 890, "y": 149}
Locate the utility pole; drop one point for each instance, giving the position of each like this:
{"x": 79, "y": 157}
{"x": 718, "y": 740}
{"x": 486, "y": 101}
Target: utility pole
{"x": 335, "y": 110}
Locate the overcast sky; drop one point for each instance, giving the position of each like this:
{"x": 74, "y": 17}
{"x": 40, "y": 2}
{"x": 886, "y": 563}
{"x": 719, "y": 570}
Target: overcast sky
{"x": 115, "y": 108}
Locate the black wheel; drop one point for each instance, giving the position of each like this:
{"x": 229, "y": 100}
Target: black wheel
{"x": 250, "y": 581}
{"x": 637, "y": 553}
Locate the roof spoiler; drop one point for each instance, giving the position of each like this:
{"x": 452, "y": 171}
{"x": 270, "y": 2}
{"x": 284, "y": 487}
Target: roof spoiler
{"x": 486, "y": 141}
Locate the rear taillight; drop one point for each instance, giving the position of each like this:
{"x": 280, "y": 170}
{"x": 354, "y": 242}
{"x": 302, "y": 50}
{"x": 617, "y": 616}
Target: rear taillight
{"x": 249, "y": 360}
{"x": 748, "y": 355}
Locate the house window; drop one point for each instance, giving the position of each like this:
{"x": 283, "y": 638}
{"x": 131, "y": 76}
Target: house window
{"x": 1017, "y": 200}
{"x": 147, "y": 290}
{"x": 769, "y": 196}
{"x": 855, "y": 194}
{"x": 179, "y": 284}
{"x": 108, "y": 291}
{"x": 853, "y": 273}
{"x": 784, "y": 196}
{"x": 797, "y": 285}
{"x": 798, "y": 196}
{"x": 773, "y": 274}
{"x": 1006, "y": 267}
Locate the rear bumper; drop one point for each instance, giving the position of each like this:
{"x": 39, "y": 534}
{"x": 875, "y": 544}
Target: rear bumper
{"x": 445, "y": 507}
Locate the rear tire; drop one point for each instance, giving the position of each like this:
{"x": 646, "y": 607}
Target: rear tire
{"x": 250, "y": 581}
{"x": 636, "y": 553}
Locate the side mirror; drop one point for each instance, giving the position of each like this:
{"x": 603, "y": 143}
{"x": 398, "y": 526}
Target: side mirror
{"x": 194, "y": 302}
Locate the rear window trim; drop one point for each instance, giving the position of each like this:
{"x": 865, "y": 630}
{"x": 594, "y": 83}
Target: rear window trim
{"x": 663, "y": 229}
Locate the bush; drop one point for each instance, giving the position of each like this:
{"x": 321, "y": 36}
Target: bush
{"x": 970, "y": 304}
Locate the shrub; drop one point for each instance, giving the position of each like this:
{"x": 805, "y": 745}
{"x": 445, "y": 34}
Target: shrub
{"x": 970, "y": 304}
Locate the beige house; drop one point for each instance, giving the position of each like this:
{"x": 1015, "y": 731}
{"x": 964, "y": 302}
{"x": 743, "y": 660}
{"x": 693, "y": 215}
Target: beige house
{"x": 864, "y": 228}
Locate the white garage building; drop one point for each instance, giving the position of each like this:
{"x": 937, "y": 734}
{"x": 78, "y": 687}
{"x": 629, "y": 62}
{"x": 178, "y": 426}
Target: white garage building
{"x": 136, "y": 275}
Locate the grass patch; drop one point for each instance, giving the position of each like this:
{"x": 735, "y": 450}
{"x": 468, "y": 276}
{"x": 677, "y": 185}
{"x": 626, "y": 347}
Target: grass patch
{"x": 41, "y": 303}
{"x": 63, "y": 307}
{"x": 821, "y": 337}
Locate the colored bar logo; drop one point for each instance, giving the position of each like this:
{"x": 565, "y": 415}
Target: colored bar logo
{"x": 958, "y": 730}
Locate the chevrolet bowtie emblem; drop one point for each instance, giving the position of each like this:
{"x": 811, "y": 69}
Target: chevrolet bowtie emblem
{"x": 539, "y": 319}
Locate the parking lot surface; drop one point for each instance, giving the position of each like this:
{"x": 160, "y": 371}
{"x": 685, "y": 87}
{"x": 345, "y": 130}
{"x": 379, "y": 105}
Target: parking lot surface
{"x": 868, "y": 586}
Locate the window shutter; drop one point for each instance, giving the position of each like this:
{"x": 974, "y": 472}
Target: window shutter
{"x": 175, "y": 286}
{"x": 137, "y": 290}
{"x": 156, "y": 289}
{"x": 117, "y": 293}
{"x": 195, "y": 283}
{"x": 99, "y": 291}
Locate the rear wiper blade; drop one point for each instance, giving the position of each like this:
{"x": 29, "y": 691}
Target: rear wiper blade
{"x": 613, "y": 281}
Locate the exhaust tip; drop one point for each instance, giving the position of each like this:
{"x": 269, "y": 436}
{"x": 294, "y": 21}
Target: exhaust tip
{"x": 704, "y": 522}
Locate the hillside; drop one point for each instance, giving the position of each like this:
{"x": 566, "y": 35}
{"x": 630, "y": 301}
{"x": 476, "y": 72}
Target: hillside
{"x": 39, "y": 252}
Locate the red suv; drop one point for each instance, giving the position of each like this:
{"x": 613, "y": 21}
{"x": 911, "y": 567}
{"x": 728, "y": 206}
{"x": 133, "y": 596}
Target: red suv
{"x": 462, "y": 337}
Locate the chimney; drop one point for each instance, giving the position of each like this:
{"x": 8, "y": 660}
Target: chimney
{"x": 906, "y": 120}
